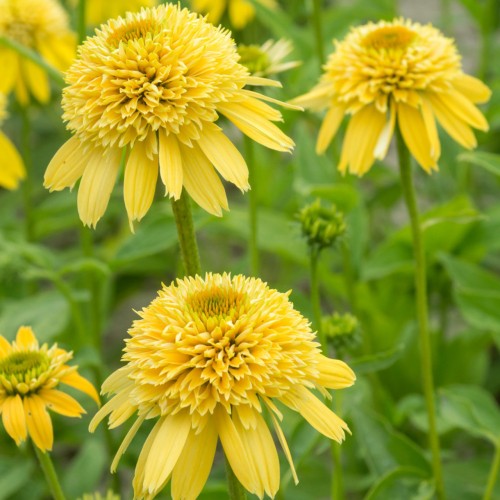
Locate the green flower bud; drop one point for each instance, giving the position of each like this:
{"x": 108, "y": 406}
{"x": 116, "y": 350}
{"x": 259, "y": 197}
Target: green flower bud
{"x": 254, "y": 59}
{"x": 341, "y": 331}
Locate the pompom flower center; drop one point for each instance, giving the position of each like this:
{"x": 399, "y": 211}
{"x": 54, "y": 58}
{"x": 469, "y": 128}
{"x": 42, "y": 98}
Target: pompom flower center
{"x": 389, "y": 37}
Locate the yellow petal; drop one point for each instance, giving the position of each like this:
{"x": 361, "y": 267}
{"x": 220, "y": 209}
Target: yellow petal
{"x": 329, "y": 127}
{"x": 121, "y": 414}
{"x": 202, "y": 182}
{"x": 262, "y": 454}
{"x": 5, "y": 347}
{"x": 11, "y": 164}
{"x": 241, "y": 12}
{"x": 235, "y": 451}
{"x": 10, "y": 69}
{"x": 284, "y": 446}
{"x": 430, "y": 126}
{"x": 97, "y": 183}
{"x": 166, "y": 449}
{"x": 334, "y": 373}
{"x": 170, "y": 164}
{"x": 141, "y": 174}
{"x": 126, "y": 442}
{"x": 74, "y": 379}
{"x": 25, "y": 338}
{"x": 415, "y": 135}
{"x": 319, "y": 97}
{"x": 258, "y": 81}
{"x": 472, "y": 88}
{"x": 197, "y": 455}
{"x": 13, "y": 418}
{"x": 384, "y": 139}
{"x": 20, "y": 88}
{"x": 38, "y": 422}
{"x": 224, "y": 156}
{"x": 263, "y": 97}
{"x": 67, "y": 165}
{"x": 61, "y": 403}
{"x": 36, "y": 80}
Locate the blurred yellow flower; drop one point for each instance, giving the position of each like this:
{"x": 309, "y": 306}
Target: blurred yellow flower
{"x": 29, "y": 376}
{"x": 207, "y": 359}
{"x": 240, "y": 12}
{"x": 156, "y": 82}
{"x": 40, "y": 25}
{"x": 390, "y": 70}
{"x": 99, "y": 11}
{"x": 11, "y": 164}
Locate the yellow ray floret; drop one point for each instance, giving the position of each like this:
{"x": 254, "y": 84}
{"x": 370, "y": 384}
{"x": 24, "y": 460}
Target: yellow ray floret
{"x": 208, "y": 358}
{"x": 42, "y": 26}
{"x": 148, "y": 89}
{"x": 30, "y": 375}
{"x": 389, "y": 73}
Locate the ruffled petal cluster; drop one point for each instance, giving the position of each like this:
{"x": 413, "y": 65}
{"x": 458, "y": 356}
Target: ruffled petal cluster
{"x": 146, "y": 91}
{"x": 396, "y": 72}
{"x": 208, "y": 358}
{"x": 42, "y": 26}
{"x": 30, "y": 375}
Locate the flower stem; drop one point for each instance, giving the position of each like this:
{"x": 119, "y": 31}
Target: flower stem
{"x": 235, "y": 490}
{"x": 421, "y": 306}
{"x": 315, "y": 297}
{"x": 49, "y": 473}
{"x": 492, "y": 478}
{"x": 318, "y": 30}
{"x": 337, "y": 491}
{"x": 253, "y": 208}
{"x": 186, "y": 234}
{"x": 33, "y": 56}
{"x": 81, "y": 24}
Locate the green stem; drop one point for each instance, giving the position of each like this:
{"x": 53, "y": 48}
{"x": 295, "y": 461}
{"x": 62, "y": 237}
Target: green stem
{"x": 33, "y": 56}
{"x": 337, "y": 491}
{"x": 186, "y": 234}
{"x": 492, "y": 477}
{"x": 315, "y": 297}
{"x": 253, "y": 208}
{"x": 81, "y": 24}
{"x": 318, "y": 30}
{"x": 487, "y": 31}
{"x": 235, "y": 490}
{"x": 349, "y": 278}
{"x": 421, "y": 306}
{"x": 49, "y": 473}
{"x": 28, "y": 181}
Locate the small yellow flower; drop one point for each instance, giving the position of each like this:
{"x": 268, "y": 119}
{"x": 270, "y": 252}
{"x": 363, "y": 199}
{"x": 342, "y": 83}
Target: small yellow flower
{"x": 156, "y": 83}
{"x": 268, "y": 58}
{"x": 29, "y": 377}
{"x": 41, "y": 25}
{"x": 207, "y": 359}
{"x": 390, "y": 70}
{"x": 98, "y": 11}
{"x": 11, "y": 164}
{"x": 240, "y": 12}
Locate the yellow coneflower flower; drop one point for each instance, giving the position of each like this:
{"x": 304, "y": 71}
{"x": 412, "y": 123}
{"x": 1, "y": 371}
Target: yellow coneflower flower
{"x": 207, "y": 358}
{"x": 240, "y": 12}
{"x": 11, "y": 164}
{"x": 390, "y": 70}
{"x": 29, "y": 377}
{"x": 156, "y": 82}
{"x": 97, "y": 11}
{"x": 41, "y": 25}
{"x": 267, "y": 59}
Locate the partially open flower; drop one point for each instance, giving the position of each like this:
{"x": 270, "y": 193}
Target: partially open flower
{"x": 207, "y": 359}
{"x": 40, "y": 25}
{"x": 155, "y": 84}
{"x": 30, "y": 375}
{"x": 396, "y": 70}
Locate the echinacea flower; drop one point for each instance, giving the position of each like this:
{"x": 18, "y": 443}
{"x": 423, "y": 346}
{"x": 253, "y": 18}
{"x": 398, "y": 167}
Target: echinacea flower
{"x": 11, "y": 164}
{"x": 267, "y": 59}
{"x": 42, "y": 26}
{"x": 30, "y": 375}
{"x": 391, "y": 71}
{"x": 207, "y": 359}
{"x": 240, "y": 12}
{"x": 97, "y": 11}
{"x": 155, "y": 83}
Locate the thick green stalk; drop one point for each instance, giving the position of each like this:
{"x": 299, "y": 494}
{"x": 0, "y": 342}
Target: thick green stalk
{"x": 421, "y": 307}
{"x": 50, "y": 474}
{"x": 315, "y": 296}
{"x": 33, "y": 56}
{"x": 253, "y": 208}
{"x": 81, "y": 25}
{"x": 235, "y": 490}
{"x": 318, "y": 30}
{"x": 337, "y": 486}
{"x": 492, "y": 478}
{"x": 186, "y": 234}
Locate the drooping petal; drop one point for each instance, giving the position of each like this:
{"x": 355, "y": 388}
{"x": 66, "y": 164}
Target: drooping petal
{"x": 197, "y": 455}
{"x": 74, "y": 379}
{"x": 61, "y": 403}
{"x": 13, "y": 418}
{"x": 37, "y": 81}
{"x": 38, "y": 422}
{"x": 329, "y": 127}
{"x": 10, "y": 69}
{"x": 384, "y": 139}
{"x": 11, "y": 164}
{"x": 126, "y": 442}
{"x": 284, "y": 446}
{"x": 472, "y": 88}
{"x": 334, "y": 373}
{"x": 430, "y": 126}
{"x": 170, "y": 160}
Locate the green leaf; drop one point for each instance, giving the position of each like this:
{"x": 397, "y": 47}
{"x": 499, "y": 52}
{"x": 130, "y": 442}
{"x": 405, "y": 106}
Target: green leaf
{"x": 14, "y": 474}
{"x": 488, "y": 161}
{"x": 402, "y": 482}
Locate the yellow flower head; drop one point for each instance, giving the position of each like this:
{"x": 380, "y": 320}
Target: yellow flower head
{"x": 11, "y": 164}
{"x": 98, "y": 11}
{"x": 207, "y": 359}
{"x": 156, "y": 82}
{"x": 240, "y": 12}
{"x": 29, "y": 377}
{"x": 390, "y": 70}
{"x": 41, "y": 25}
